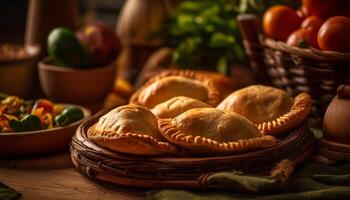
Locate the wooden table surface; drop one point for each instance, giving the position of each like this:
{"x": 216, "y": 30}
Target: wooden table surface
{"x": 54, "y": 177}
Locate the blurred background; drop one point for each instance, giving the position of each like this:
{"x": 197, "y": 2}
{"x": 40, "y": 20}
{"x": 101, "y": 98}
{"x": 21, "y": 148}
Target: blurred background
{"x": 13, "y": 14}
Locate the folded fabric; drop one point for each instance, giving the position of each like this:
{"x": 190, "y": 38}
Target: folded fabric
{"x": 312, "y": 181}
{"x": 7, "y": 193}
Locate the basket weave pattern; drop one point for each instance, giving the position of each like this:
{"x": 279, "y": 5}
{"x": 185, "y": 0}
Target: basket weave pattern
{"x": 180, "y": 172}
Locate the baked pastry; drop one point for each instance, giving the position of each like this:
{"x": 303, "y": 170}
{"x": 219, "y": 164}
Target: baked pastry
{"x": 177, "y": 105}
{"x": 212, "y": 131}
{"x": 130, "y": 129}
{"x": 270, "y": 109}
{"x": 160, "y": 90}
{"x": 221, "y": 82}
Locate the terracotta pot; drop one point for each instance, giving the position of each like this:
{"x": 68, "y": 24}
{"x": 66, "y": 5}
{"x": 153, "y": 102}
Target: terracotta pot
{"x": 18, "y": 77}
{"x": 336, "y": 122}
{"x": 87, "y": 87}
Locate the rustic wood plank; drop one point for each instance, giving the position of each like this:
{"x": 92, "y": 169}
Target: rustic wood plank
{"x": 54, "y": 177}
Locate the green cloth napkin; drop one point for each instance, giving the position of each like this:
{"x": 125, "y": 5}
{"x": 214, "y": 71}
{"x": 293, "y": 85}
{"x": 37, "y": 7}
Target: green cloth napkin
{"x": 7, "y": 193}
{"x": 312, "y": 181}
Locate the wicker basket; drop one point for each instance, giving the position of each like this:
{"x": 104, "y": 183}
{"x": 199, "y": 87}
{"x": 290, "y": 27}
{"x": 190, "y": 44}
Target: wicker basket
{"x": 181, "y": 172}
{"x": 296, "y": 70}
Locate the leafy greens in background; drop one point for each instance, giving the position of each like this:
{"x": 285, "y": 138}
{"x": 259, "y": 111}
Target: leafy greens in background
{"x": 205, "y": 35}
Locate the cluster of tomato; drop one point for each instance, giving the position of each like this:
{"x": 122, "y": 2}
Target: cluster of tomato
{"x": 320, "y": 24}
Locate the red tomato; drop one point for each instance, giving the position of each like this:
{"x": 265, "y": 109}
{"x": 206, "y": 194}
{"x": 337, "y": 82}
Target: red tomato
{"x": 303, "y": 36}
{"x": 302, "y": 12}
{"x": 280, "y": 21}
{"x": 312, "y": 22}
{"x": 334, "y": 34}
{"x": 321, "y": 8}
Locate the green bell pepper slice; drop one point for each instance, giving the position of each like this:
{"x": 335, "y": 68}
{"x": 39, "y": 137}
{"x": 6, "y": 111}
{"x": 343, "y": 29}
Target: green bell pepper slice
{"x": 69, "y": 115}
{"x": 27, "y": 123}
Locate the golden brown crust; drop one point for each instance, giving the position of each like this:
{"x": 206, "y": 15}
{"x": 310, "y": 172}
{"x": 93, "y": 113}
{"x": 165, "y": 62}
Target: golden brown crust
{"x": 177, "y": 105}
{"x": 223, "y": 83}
{"x": 258, "y": 103}
{"x": 130, "y": 129}
{"x": 130, "y": 143}
{"x": 185, "y": 131}
{"x": 270, "y": 109}
{"x": 158, "y": 90}
{"x": 298, "y": 112}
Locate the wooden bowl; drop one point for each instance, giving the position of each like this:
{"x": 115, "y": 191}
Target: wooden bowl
{"x": 87, "y": 87}
{"x": 41, "y": 141}
{"x": 181, "y": 172}
{"x": 19, "y": 76}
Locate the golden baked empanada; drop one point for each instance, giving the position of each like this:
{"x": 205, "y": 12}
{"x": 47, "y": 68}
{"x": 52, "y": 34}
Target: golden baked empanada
{"x": 212, "y": 131}
{"x": 270, "y": 109}
{"x": 130, "y": 129}
{"x": 160, "y": 90}
{"x": 221, "y": 82}
{"x": 177, "y": 105}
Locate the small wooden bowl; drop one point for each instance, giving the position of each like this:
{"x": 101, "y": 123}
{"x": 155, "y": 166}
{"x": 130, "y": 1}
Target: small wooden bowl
{"x": 87, "y": 87}
{"x": 19, "y": 76}
{"x": 181, "y": 172}
{"x": 39, "y": 142}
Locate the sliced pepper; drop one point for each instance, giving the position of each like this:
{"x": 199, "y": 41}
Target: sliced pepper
{"x": 69, "y": 115}
{"x": 12, "y": 105}
{"x": 57, "y": 109}
{"x": 27, "y": 123}
{"x": 45, "y": 104}
{"x": 47, "y": 121}
{"x": 10, "y": 117}
{"x": 4, "y": 124}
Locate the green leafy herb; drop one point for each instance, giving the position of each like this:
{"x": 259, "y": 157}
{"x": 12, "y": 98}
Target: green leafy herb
{"x": 205, "y": 35}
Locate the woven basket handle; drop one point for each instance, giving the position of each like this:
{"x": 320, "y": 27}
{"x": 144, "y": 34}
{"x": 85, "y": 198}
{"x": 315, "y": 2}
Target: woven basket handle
{"x": 248, "y": 25}
{"x": 344, "y": 91}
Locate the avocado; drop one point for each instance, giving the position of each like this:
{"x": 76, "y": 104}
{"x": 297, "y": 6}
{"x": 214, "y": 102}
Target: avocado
{"x": 66, "y": 50}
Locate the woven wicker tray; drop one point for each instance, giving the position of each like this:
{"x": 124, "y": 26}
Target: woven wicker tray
{"x": 180, "y": 172}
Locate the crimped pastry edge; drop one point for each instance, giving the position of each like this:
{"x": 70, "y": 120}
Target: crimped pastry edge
{"x": 298, "y": 112}
{"x": 161, "y": 147}
{"x": 173, "y": 135}
{"x": 214, "y": 95}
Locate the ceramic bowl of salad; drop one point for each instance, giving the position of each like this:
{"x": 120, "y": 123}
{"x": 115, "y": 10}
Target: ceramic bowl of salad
{"x": 29, "y": 127}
